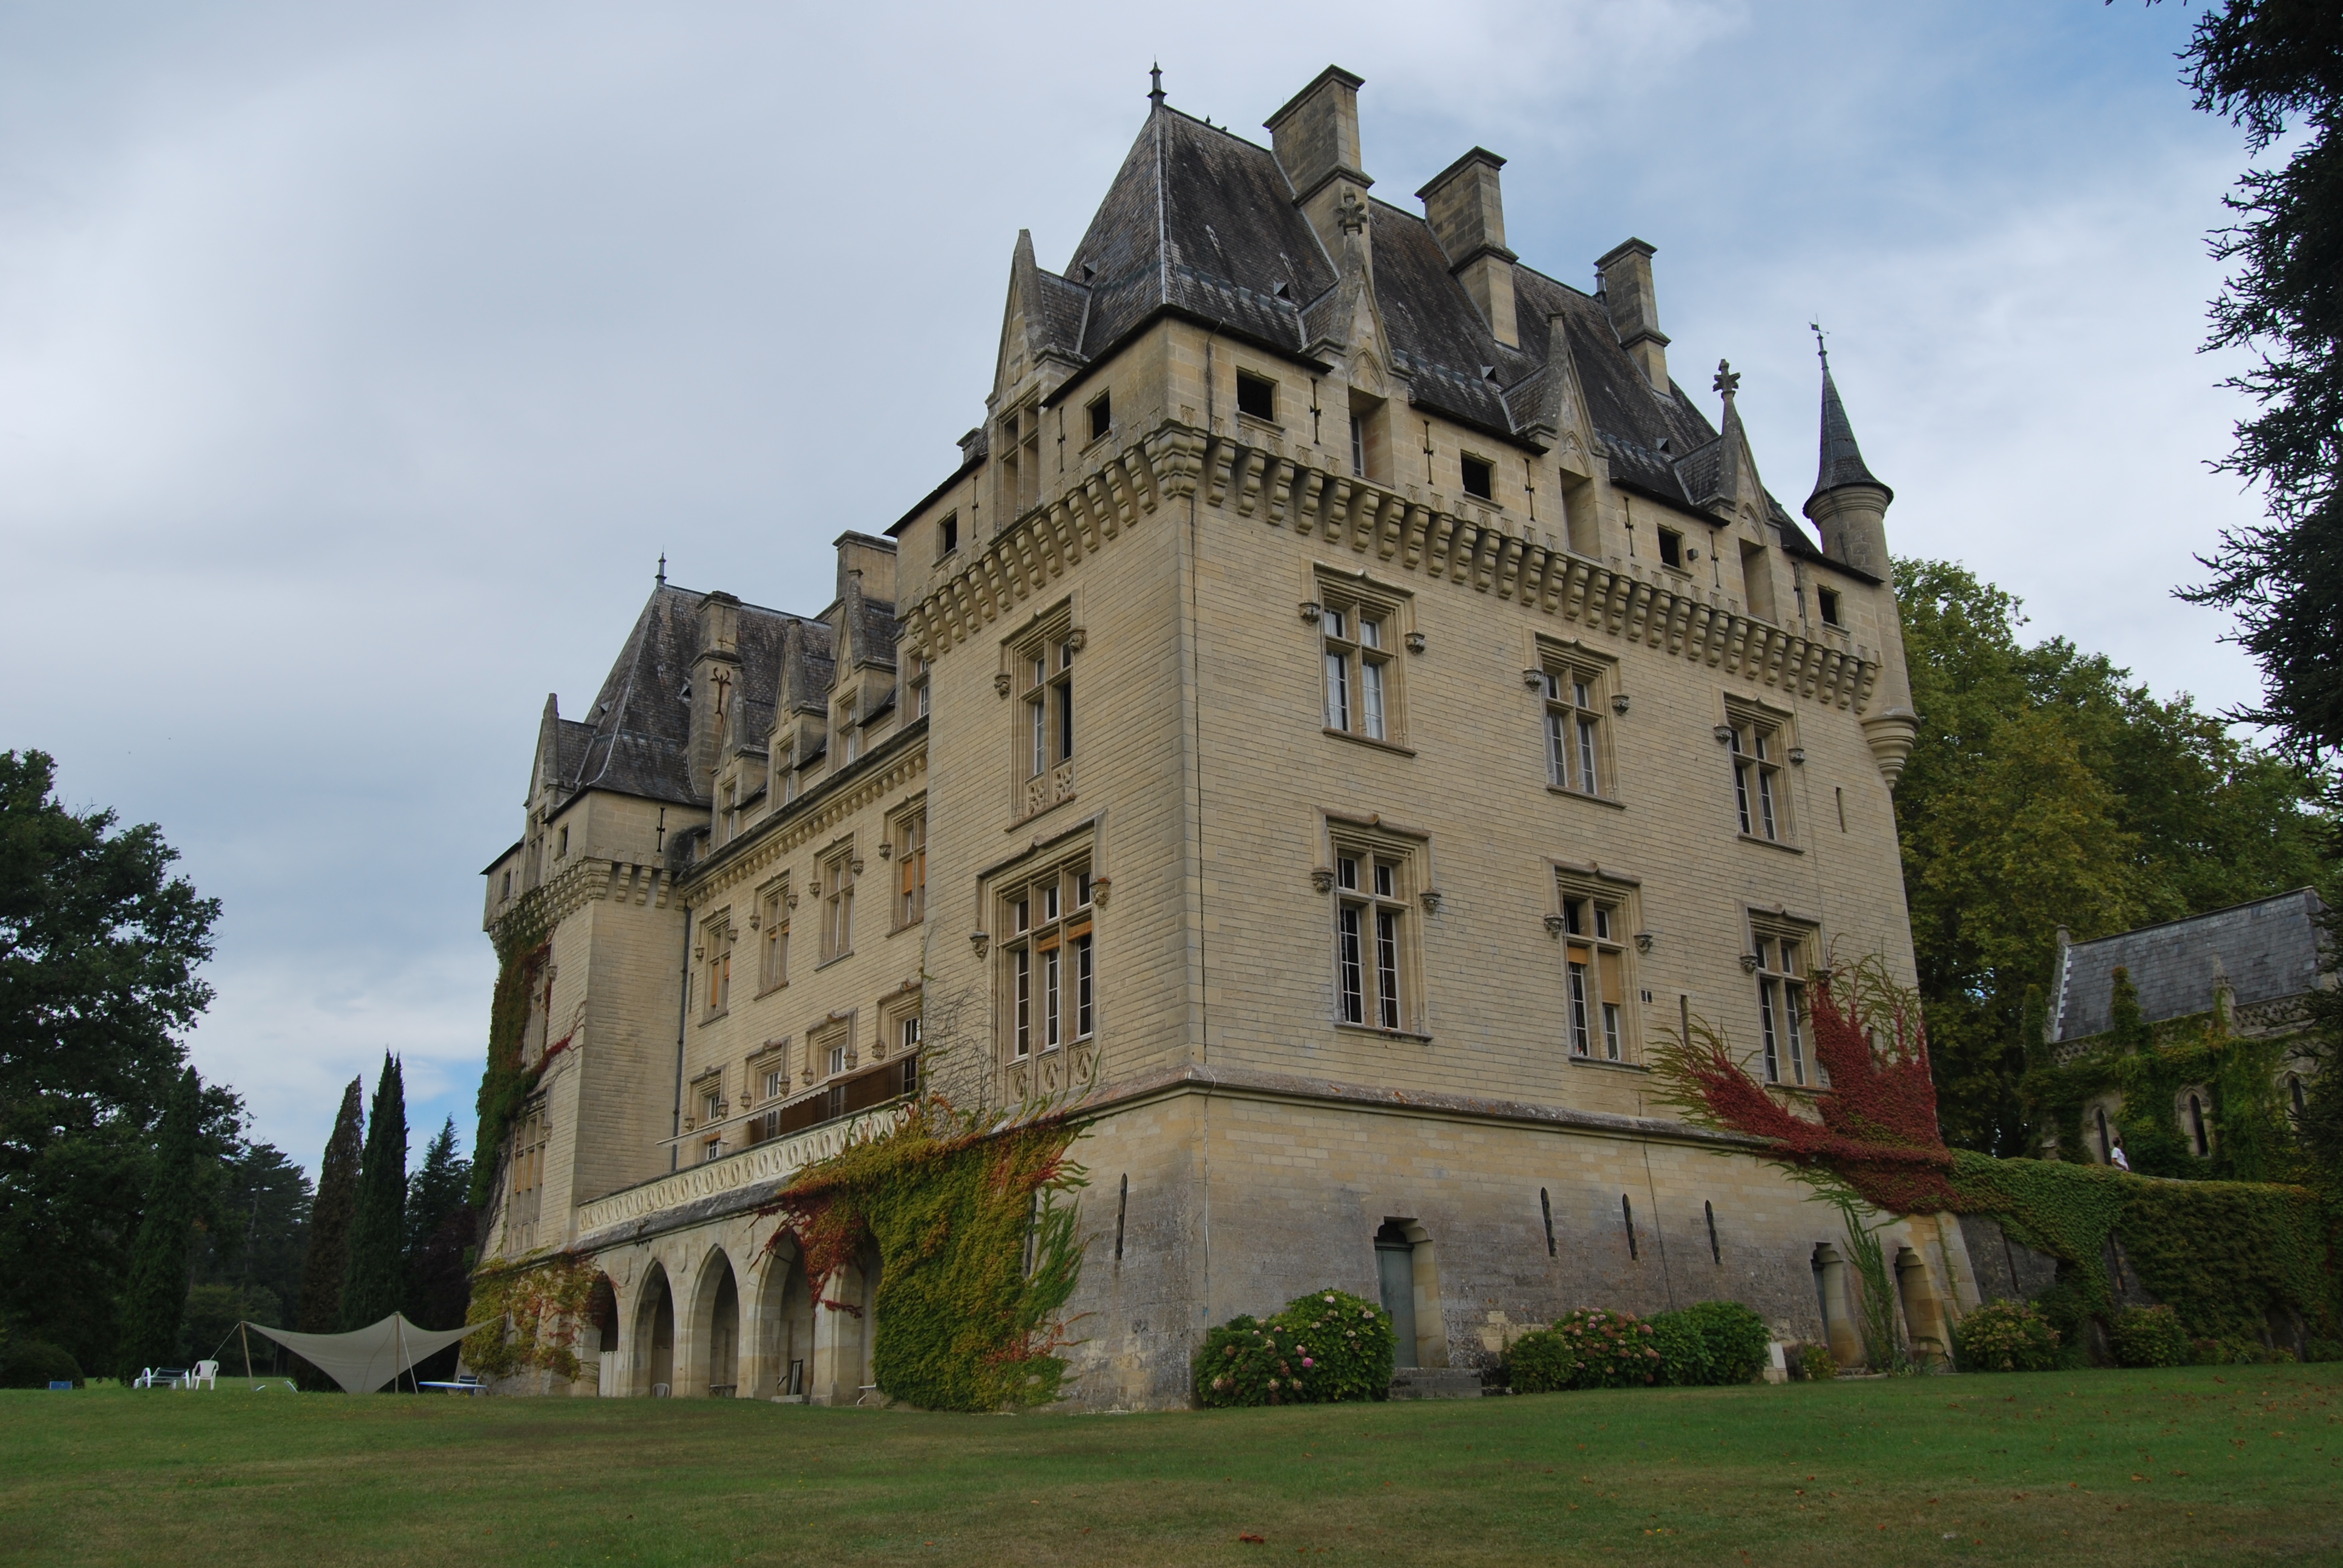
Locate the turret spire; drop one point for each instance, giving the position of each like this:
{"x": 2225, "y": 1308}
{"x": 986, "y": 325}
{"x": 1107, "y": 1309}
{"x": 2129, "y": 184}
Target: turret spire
{"x": 1842, "y": 459}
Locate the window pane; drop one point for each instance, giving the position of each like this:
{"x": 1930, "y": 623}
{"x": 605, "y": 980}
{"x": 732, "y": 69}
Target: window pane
{"x": 1765, "y": 800}
{"x": 1353, "y": 982}
{"x": 1586, "y": 779}
{"x": 1065, "y": 719}
{"x": 1338, "y": 691}
{"x": 1049, "y": 902}
{"x": 1346, "y": 872}
{"x": 1371, "y": 695}
{"x": 1082, "y": 1000}
{"x": 1039, "y": 723}
{"x": 1387, "y": 964}
{"x": 1024, "y": 913}
{"x": 1794, "y": 998}
{"x": 1371, "y": 633}
{"x": 1580, "y": 1044}
{"x": 1384, "y": 879}
{"x": 1766, "y": 989}
{"x": 1336, "y": 627}
{"x": 1603, "y": 923}
{"x": 1051, "y": 966}
{"x": 1614, "y": 993}
{"x": 1024, "y": 1003}
{"x": 1610, "y": 1030}
{"x": 1578, "y": 694}
{"x": 1741, "y": 792}
{"x": 1556, "y": 760}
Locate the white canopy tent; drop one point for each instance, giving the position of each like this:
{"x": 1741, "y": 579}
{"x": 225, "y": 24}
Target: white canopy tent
{"x": 364, "y": 1360}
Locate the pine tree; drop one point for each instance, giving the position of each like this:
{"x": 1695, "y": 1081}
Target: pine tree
{"x": 376, "y": 1283}
{"x": 157, "y": 1298}
{"x": 439, "y": 1233}
{"x": 330, "y": 1217}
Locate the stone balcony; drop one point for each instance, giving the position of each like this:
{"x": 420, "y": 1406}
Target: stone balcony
{"x": 742, "y": 1180}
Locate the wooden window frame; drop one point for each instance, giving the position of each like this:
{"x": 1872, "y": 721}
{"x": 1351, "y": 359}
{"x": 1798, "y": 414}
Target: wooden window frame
{"x": 1785, "y": 1035}
{"x": 907, "y": 840}
{"x": 1760, "y": 740}
{"x": 1577, "y": 688}
{"x": 1376, "y": 931}
{"x": 1598, "y": 916}
{"x": 1361, "y": 683}
{"x": 1047, "y": 958}
{"x": 771, "y": 920}
{"x": 1045, "y": 735}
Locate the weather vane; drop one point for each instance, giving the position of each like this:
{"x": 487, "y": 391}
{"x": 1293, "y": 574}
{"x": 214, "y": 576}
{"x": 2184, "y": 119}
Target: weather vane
{"x": 1820, "y": 347}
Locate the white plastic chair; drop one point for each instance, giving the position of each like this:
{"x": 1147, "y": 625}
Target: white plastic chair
{"x": 144, "y": 1380}
{"x": 206, "y": 1372}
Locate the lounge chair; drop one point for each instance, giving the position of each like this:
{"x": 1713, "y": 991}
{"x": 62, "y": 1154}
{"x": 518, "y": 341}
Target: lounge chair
{"x": 465, "y": 1383}
{"x": 160, "y": 1377}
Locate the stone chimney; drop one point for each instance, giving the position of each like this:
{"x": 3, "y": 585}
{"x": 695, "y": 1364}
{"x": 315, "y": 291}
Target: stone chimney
{"x": 1316, "y": 140}
{"x": 870, "y": 559}
{"x": 714, "y": 686}
{"x": 1467, "y": 215}
{"x": 1625, "y": 275}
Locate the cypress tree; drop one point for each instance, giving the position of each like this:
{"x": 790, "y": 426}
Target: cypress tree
{"x": 375, "y": 1285}
{"x": 157, "y": 1298}
{"x": 329, "y": 1219}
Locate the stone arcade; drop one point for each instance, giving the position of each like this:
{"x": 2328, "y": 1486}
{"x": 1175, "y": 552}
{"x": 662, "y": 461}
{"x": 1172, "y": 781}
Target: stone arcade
{"x": 1345, "y": 704}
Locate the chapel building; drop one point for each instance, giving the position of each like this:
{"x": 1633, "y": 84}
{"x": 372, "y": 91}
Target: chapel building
{"x": 1347, "y": 704}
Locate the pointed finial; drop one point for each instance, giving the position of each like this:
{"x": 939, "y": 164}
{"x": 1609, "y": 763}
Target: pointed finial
{"x": 662, "y": 569}
{"x": 1728, "y": 380}
{"x": 1155, "y": 74}
{"x": 1350, "y": 213}
{"x": 1821, "y": 348}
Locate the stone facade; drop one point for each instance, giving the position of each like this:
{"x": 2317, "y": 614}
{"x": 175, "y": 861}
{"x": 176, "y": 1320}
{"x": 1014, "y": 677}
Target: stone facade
{"x": 1347, "y": 706}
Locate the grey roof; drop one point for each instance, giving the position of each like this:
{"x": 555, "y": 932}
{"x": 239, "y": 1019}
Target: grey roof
{"x": 635, "y": 739}
{"x": 2268, "y": 949}
{"x": 1199, "y": 221}
{"x": 1842, "y": 460}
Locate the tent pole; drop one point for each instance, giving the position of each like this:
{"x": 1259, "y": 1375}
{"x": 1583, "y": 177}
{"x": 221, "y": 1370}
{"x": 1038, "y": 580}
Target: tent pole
{"x": 246, "y": 1341}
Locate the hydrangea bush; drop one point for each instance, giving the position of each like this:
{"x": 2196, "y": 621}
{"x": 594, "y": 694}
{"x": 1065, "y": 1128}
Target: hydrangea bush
{"x": 1735, "y": 1336}
{"x": 2151, "y": 1337}
{"x": 1592, "y": 1347}
{"x": 2006, "y": 1336}
{"x": 1327, "y": 1346}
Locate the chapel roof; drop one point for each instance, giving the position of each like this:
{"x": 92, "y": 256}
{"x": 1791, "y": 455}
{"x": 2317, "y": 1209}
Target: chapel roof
{"x": 2266, "y": 951}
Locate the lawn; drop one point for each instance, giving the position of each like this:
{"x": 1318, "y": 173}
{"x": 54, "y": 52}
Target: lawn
{"x": 2198, "y": 1465}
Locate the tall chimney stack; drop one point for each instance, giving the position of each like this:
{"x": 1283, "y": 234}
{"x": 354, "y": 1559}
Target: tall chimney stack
{"x": 1626, "y": 283}
{"x": 1315, "y": 138}
{"x": 1467, "y": 215}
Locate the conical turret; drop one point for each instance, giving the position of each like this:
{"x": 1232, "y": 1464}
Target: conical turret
{"x": 1849, "y": 509}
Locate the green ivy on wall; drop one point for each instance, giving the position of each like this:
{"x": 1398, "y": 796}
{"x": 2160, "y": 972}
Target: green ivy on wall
{"x": 973, "y": 1227}
{"x": 522, "y": 942}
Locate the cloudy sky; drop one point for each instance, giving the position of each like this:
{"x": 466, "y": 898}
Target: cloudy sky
{"x": 357, "y": 363}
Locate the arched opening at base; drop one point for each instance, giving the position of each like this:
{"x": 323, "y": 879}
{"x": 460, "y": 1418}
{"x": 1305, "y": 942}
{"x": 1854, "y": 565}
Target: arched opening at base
{"x": 655, "y": 1338}
{"x": 599, "y": 1342}
{"x": 1408, "y": 1276}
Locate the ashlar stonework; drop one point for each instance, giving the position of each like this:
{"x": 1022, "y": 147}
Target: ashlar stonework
{"x": 1345, "y": 706}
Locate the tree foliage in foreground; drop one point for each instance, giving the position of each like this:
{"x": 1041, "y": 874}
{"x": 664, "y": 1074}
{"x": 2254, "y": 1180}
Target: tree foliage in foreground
{"x": 2274, "y": 69}
{"x": 99, "y": 943}
{"x": 2047, "y": 790}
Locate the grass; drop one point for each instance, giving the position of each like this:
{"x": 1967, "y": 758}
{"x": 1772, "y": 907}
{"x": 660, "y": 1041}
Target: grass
{"x": 2195, "y": 1466}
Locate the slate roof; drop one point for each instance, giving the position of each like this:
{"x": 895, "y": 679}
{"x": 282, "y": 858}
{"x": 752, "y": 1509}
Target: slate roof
{"x": 635, "y": 739}
{"x": 1842, "y": 460}
{"x": 2268, "y": 949}
{"x": 1202, "y": 221}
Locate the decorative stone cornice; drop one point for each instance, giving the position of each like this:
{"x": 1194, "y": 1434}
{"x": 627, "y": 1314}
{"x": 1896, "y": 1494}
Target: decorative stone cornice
{"x": 1402, "y": 531}
{"x": 773, "y": 840}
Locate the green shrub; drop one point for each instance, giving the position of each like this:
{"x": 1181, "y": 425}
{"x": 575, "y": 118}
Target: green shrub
{"x": 2323, "y": 1350}
{"x": 1327, "y": 1346}
{"x": 2150, "y": 1337}
{"x": 1592, "y": 1347}
{"x": 2006, "y": 1336}
{"x": 1813, "y": 1363}
{"x": 1736, "y": 1338}
{"x": 1685, "y": 1360}
{"x": 35, "y": 1363}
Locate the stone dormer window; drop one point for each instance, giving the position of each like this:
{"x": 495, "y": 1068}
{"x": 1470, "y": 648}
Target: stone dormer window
{"x": 1672, "y": 551}
{"x": 948, "y": 535}
{"x": 1101, "y": 411}
{"x": 1826, "y": 600}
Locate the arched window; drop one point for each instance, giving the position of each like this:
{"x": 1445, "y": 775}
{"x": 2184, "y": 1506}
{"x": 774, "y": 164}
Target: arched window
{"x": 2107, "y": 1155}
{"x": 2294, "y": 1091}
{"x": 2197, "y": 1125}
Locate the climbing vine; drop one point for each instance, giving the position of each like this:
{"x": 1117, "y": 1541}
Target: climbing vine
{"x": 529, "y": 1316}
{"x": 2224, "y": 1254}
{"x": 522, "y": 942}
{"x": 973, "y": 1224}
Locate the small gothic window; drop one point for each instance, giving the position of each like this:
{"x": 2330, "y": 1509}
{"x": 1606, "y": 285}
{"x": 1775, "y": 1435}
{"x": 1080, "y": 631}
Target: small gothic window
{"x": 1828, "y": 599}
{"x": 2293, "y": 1081}
{"x": 2197, "y": 1125}
{"x": 1672, "y": 548}
{"x": 948, "y": 535}
{"x": 2107, "y": 1146}
{"x": 1102, "y": 414}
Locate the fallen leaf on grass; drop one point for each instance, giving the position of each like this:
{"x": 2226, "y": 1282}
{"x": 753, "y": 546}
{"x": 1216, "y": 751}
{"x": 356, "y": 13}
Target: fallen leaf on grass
{"x": 1254, "y": 1540}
